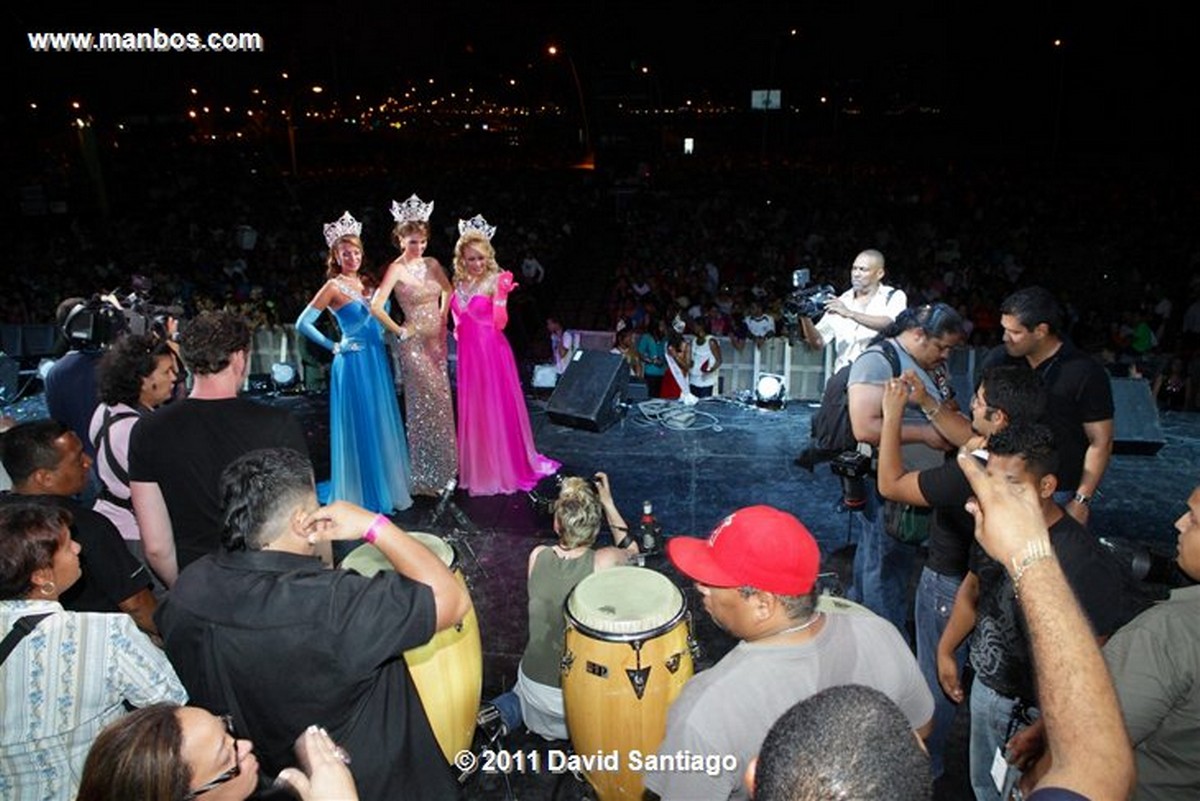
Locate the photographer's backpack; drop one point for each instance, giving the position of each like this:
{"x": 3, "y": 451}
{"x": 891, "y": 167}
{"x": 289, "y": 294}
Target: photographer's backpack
{"x": 831, "y": 430}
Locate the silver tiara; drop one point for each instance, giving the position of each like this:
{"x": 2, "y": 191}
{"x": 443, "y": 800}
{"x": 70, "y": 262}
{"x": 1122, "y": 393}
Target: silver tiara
{"x": 345, "y": 226}
{"x": 412, "y": 210}
{"x": 477, "y": 223}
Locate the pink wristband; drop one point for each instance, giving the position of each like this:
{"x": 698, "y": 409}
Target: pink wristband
{"x": 373, "y": 530}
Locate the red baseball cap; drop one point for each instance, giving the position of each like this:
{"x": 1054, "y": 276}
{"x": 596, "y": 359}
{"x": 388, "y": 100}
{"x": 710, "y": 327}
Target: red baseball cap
{"x": 757, "y": 546}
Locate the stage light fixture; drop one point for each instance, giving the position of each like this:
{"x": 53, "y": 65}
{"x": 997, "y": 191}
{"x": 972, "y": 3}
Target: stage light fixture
{"x": 769, "y": 391}
{"x": 284, "y": 376}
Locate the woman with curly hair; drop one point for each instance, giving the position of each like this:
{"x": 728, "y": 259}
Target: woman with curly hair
{"x": 137, "y": 374}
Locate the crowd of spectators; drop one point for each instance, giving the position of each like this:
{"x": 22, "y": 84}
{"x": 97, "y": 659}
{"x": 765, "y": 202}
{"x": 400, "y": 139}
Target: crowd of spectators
{"x": 215, "y": 228}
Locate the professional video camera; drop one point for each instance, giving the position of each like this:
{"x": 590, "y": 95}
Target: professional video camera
{"x": 103, "y": 318}
{"x": 804, "y": 301}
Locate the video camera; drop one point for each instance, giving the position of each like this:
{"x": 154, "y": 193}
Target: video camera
{"x": 804, "y": 301}
{"x": 103, "y": 318}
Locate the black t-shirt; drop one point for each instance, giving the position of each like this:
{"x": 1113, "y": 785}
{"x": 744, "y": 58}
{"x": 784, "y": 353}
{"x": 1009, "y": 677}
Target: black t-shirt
{"x": 1078, "y": 391}
{"x": 1000, "y": 644}
{"x": 183, "y": 447}
{"x": 110, "y": 573}
{"x": 951, "y": 528}
{"x": 281, "y": 642}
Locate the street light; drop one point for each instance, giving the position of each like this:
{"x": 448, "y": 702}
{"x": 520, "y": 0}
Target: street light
{"x": 589, "y": 159}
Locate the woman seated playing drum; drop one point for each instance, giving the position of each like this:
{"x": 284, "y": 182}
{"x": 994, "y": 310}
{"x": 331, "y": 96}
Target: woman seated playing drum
{"x": 554, "y": 570}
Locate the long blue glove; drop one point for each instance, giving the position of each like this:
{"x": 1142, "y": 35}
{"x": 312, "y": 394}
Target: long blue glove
{"x": 304, "y": 324}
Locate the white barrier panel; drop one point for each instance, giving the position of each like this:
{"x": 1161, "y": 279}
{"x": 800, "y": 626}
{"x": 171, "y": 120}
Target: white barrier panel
{"x": 803, "y": 369}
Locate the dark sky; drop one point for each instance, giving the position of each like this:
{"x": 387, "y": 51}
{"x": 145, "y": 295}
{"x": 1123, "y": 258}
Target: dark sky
{"x": 1119, "y": 74}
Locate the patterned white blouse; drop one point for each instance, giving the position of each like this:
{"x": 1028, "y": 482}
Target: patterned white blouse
{"x": 61, "y": 685}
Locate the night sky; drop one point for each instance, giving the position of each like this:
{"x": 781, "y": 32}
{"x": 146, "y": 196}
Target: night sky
{"x": 1116, "y": 83}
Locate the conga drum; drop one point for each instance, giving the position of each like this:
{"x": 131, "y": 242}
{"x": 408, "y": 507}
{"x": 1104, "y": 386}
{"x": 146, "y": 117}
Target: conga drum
{"x": 626, "y": 659}
{"x": 448, "y": 670}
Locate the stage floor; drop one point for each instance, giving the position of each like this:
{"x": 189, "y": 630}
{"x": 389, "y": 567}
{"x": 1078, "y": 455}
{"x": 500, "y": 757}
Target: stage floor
{"x": 730, "y": 455}
{"x": 696, "y": 468}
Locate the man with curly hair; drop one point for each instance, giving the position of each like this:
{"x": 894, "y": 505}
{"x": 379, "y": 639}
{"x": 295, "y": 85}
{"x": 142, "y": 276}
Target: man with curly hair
{"x": 176, "y": 454}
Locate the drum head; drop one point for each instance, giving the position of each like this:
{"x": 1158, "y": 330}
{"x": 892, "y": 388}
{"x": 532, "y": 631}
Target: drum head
{"x": 369, "y": 560}
{"x": 625, "y": 602}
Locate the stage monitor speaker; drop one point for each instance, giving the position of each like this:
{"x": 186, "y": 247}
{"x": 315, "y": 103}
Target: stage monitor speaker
{"x": 1135, "y": 419}
{"x": 590, "y": 392}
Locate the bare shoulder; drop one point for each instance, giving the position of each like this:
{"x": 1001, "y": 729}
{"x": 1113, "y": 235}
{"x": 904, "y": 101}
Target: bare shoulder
{"x": 534, "y": 554}
{"x": 612, "y": 557}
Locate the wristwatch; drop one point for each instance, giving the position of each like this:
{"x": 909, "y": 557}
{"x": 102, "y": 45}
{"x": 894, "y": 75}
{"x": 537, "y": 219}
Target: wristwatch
{"x": 1081, "y": 499}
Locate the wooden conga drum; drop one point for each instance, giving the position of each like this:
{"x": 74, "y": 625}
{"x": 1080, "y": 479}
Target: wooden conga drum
{"x": 448, "y": 670}
{"x": 626, "y": 659}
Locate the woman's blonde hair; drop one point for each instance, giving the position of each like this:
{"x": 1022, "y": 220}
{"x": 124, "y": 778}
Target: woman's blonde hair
{"x": 577, "y": 513}
{"x": 473, "y": 239}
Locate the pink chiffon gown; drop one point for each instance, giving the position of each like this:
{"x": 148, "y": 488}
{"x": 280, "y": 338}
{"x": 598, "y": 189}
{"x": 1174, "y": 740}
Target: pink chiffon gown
{"x": 496, "y": 454}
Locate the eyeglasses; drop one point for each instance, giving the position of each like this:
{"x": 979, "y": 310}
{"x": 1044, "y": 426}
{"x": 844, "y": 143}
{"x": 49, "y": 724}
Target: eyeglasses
{"x": 978, "y": 401}
{"x": 228, "y": 775}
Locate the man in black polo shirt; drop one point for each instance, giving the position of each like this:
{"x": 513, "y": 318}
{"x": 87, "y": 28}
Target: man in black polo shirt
{"x": 264, "y": 631}
{"x": 1079, "y": 404}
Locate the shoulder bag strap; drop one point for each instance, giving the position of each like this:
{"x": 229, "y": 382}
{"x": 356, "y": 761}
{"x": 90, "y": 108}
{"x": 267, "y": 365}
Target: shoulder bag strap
{"x": 20, "y": 630}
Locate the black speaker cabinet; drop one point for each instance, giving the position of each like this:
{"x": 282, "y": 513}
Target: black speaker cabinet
{"x": 589, "y": 393}
{"x": 1135, "y": 422}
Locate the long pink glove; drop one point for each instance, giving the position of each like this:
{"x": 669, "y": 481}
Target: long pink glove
{"x": 504, "y": 285}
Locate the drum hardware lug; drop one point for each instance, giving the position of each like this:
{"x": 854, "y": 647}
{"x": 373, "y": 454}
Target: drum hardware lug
{"x": 693, "y": 645}
{"x": 672, "y": 663}
{"x": 568, "y": 659}
{"x": 597, "y": 670}
{"x": 638, "y": 679}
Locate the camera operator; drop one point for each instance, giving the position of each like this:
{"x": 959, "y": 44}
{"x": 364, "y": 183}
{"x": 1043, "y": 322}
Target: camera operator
{"x": 852, "y": 319}
{"x": 922, "y": 338}
{"x": 553, "y": 572}
{"x": 88, "y": 327}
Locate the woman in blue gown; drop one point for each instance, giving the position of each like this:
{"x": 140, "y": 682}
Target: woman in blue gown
{"x": 368, "y": 456}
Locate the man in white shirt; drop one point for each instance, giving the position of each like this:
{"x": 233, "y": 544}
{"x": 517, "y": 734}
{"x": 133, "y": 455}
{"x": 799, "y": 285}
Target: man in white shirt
{"x": 562, "y": 344}
{"x": 852, "y": 319}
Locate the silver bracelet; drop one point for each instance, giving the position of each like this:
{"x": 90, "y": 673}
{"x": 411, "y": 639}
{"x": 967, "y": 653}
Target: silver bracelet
{"x": 1034, "y": 551}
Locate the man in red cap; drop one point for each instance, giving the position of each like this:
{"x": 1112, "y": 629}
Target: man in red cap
{"x": 757, "y": 576}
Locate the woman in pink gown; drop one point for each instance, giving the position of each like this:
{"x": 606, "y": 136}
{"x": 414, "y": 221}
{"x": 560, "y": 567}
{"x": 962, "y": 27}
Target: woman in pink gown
{"x": 496, "y": 454}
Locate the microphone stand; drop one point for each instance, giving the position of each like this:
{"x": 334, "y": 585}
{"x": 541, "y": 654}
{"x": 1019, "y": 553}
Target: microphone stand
{"x": 461, "y": 525}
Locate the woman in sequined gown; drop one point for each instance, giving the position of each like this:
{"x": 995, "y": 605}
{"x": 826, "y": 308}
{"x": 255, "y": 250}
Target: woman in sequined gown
{"x": 496, "y": 454}
{"x": 368, "y": 456}
{"x": 420, "y": 286}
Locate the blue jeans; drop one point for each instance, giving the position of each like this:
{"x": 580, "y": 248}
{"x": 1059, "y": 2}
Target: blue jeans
{"x": 990, "y": 714}
{"x": 882, "y": 565}
{"x": 935, "y": 599}
{"x": 509, "y": 705}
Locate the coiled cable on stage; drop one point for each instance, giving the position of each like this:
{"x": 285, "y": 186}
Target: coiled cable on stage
{"x": 674, "y": 416}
